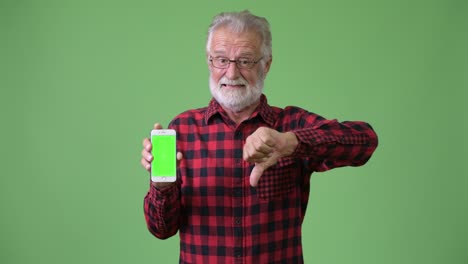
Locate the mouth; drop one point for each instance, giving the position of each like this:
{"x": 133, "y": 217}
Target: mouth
{"x": 233, "y": 86}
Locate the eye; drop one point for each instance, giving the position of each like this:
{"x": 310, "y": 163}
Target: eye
{"x": 222, "y": 60}
{"x": 243, "y": 62}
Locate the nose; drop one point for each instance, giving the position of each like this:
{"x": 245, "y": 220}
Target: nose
{"x": 232, "y": 72}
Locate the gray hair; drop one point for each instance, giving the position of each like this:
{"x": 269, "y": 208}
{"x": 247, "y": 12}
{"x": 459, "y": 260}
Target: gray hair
{"x": 242, "y": 22}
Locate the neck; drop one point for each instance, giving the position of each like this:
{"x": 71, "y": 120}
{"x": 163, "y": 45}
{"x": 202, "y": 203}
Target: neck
{"x": 242, "y": 115}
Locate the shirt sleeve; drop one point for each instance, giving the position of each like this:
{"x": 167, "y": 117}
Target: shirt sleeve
{"x": 162, "y": 210}
{"x": 329, "y": 144}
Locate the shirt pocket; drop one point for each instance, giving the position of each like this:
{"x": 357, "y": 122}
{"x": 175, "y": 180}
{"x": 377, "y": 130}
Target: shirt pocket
{"x": 278, "y": 180}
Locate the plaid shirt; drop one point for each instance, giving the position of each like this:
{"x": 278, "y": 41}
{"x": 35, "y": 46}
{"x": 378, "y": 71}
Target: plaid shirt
{"x": 219, "y": 216}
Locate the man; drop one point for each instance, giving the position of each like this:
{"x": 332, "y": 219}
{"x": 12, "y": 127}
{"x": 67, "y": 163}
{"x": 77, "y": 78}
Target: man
{"x": 244, "y": 166}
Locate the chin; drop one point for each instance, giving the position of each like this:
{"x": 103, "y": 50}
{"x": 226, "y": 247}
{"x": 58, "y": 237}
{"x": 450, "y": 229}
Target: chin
{"x": 238, "y": 99}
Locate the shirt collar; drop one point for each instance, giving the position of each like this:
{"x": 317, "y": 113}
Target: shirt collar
{"x": 263, "y": 110}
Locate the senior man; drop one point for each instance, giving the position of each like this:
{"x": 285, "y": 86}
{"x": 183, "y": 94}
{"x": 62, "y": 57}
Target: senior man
{"x": 243, "y": 176}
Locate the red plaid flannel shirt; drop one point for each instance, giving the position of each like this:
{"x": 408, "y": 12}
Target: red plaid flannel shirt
{"x": 219, "y": 216}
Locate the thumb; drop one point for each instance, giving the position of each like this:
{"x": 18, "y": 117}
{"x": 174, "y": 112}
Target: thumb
{"x": 259, "y": 168}
{"x": 255, "y": 175}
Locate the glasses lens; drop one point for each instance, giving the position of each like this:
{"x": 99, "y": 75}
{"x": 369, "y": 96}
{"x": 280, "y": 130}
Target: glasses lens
{"x": 220, "y": 62}
{"x": 223, "y": 63}
{"x": 244, "y": 64}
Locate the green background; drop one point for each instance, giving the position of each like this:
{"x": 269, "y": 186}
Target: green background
{"x": 82, "y": 83}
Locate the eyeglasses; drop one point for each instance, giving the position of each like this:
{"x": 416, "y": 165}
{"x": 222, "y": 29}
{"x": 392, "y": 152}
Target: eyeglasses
{"x": 241, "y": 63}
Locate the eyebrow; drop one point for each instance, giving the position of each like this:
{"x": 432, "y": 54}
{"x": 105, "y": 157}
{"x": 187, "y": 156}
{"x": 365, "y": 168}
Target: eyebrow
{"x": 246, "y": 54}
{"x": 220, "y": 53}
{"x": 243, "y": 54}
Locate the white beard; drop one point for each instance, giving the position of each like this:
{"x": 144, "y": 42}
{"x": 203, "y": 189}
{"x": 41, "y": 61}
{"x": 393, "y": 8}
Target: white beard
{"x": 239, "y": 98}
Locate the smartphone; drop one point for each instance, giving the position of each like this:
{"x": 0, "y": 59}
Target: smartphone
{"x": 164, "y": 164}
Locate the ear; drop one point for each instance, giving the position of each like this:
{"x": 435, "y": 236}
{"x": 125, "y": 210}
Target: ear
{"x": 267, "y": 66}
{"x": 210, "y": 68}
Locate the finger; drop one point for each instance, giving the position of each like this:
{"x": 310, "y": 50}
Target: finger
{"x": 270, "y": 142}
{"x": 157, "y": 126}
{"x": 146, "y": 165}
{"x": 262, "y": 147}
{"x": 267, "y": 136}
{"x": 249, "y": 153}
{"x": 258, "y": 143}
{"x": 146, "y": 155}
{"x": 147, "y": 144}
{"x": 255, "y": 175}
{"x": 261, "y": 166}
{"x": 180, "y": 156}
{"x": 257, "y": 157}
{"x": 259, "y": 160}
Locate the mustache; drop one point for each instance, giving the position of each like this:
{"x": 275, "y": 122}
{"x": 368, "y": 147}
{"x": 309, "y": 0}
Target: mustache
{"x": 225, "y": 81}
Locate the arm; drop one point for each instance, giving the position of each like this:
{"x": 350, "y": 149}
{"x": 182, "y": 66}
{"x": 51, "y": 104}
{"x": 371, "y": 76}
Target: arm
{"x": 325, "y": 144}
{"x": 162, "y": 210}
{"x": 330, "y": 144}
{"x": 162, "y": 202}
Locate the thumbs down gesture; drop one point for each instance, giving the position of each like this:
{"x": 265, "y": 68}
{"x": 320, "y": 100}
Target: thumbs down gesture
{"x": 265, "y": 147}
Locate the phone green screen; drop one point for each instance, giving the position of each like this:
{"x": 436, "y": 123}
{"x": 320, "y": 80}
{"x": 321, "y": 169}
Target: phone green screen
{"x": 164, "y": 155}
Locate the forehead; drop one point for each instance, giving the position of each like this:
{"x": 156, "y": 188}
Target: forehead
{"x": 226, "y": 42}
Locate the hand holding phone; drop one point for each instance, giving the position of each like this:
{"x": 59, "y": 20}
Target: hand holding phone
{"x": 164, "y": 164}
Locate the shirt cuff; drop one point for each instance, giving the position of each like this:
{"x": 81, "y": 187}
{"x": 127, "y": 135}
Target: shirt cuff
{"x": 159, "y": 194}
{"x": 308, "y": 140}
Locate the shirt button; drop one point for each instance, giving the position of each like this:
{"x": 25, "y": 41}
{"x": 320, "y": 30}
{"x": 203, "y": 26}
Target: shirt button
{"x": 237, "y": 221}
